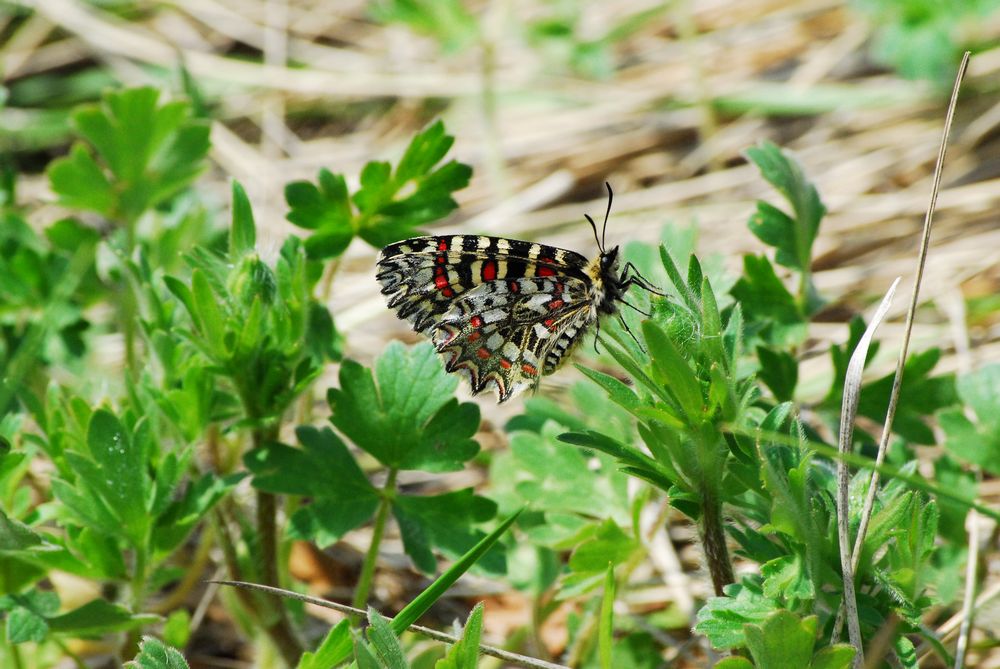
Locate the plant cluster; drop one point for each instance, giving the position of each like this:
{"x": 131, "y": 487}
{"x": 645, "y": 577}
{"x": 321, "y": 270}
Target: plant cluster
{"x": 138, "y": 479}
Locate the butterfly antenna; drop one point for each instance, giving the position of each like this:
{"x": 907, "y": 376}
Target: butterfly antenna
{"x": 600, "y": 246}
{"x": 607, "y": 213}
{"x": 597, "y": 334}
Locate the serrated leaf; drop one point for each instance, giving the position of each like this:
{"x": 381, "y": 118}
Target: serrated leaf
{"x": 154, "y": 654}
{"x": 722, "y": 619}
{"x": 324, "y": 470}
{"x": 24, "y": 625}
{"x": 794, "y": 237}
{"x": 444, "y": 521}
{"x": 767, "y": 304}
{"x": 409, "y": 419}
{"x": 324, "y": 208}
{"x": 80, "y": 183}
{"x": 782, "y": 640}
{"x": 148, "y": 152}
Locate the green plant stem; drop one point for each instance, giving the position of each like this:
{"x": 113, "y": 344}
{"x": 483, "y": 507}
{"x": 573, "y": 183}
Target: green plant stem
{"x": 278, "y": 626}
{"x": 371, "y": 558}
{"x": 138, "y": 588}
{"x": 713, "y": 540}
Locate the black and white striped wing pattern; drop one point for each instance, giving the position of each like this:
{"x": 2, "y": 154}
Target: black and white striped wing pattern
{"x": 501, "y": 311}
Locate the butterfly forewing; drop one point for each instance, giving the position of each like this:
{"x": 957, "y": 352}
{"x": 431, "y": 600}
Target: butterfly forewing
{"x": 501, "y": 311}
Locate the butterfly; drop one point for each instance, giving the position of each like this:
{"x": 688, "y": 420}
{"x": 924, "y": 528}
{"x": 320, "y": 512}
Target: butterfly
{"x": 503, "y": 311}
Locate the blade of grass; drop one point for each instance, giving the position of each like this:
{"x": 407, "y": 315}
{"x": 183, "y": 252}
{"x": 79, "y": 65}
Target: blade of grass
{"x": 897, "y": 380}
{"x": 848, "y": 413}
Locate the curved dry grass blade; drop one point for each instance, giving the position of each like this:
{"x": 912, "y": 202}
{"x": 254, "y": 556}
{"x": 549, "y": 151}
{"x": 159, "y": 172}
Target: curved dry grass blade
{"x": 848, "y": 412}
{"x": 499, "y": 653}
{"x": 897, "y": 380}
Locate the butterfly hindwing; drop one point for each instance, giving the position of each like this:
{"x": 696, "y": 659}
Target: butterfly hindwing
{"x": 511, "y": 331}
{"x": 501, "y": 311}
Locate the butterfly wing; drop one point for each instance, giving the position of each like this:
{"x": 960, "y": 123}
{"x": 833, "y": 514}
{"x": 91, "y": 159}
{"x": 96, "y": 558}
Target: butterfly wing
{"x": 510, "y": 333}
{"x": 503, "y": 311}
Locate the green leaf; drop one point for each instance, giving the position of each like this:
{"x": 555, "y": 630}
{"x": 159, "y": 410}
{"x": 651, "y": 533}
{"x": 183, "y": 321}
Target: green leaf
{"x": 722, "y": 619}
{"x": 608, "y": 545}
{"x": 16, "y": 537}
{"x": 384, "y": 642}
{"x": 465, "y": 653}
{"x": 148, "y": 153}
{"x": 409, "y": 419}
{"x": 734, "y": 662}
{"x": 416, "y": 608}
{"x": 779, "y": 370}
{"x": 121, "y": 458}
{"x": 326, "y": 210}
{"x": 243, "y": 231}
{"x": 180, "y": 517}
{"x": 976, "y": 442}
{"x": 335, "y": 648}
{"x": 767, "y": 305}
{"x": 786, "y": 577}
{"x": 208, "y": 315}
{"x": 324, "y": 470}
{"x": 80, "y": 183}
{"x": 557, "y": 478}
{"x": 444, "y": 521}
{"x": 782, "y": 640}
{"x": 154, "y": 654}
{"x": 385, "y": 217}
{"x": 674, "y": 372}
{"x": 99, "y": 617}
{"x": 837, "y": 656}
{"x": 793, "y": 238}
{"x": 24, "y": 625}
{"x": 921, "y": 396}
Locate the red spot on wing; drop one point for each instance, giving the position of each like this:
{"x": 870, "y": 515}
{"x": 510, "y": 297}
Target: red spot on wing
{"x": 441, "y": 281}
{"x": 555, "y": 304}
{"x": 549, "y": 323}
{"x": 549, "y": 260}
{"x": 545, "y": 270}
{"x": 442, "y": 245}
{"x": 505, "y": 363}
{"x": 483, "y": 352}
{"x": 489, "y": 270}
{"x": 514, "y": 286}
{"x": 476, "y": 321}
{"x": 475, "y": 335}
{"x": 448, "y": 292}
{"x": 530, "y": 370}
{"x": 441, "y": 259}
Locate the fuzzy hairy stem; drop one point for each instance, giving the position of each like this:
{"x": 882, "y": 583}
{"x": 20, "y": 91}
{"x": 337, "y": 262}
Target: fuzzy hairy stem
{"x": 713, "y": 541}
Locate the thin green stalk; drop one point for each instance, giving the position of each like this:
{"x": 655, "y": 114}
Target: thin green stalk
{"x": 371, "y": 558}
{"x": 137, "y": 586}
{"x": 278, "y": 626}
